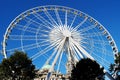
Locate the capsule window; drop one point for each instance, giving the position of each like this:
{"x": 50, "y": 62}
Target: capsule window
{"x": 112, "y": 43}
{"x": 101, "y": 28}
{"x": 108, "y": 37}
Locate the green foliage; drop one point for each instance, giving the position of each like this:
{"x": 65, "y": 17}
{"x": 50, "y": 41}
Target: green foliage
{"x": 17, "y": 66}
{"x": 116, "y": 66}
{"x": 87, "y": 69}
{"x": 117, "y": 60}
{"x": 111, "y": 68}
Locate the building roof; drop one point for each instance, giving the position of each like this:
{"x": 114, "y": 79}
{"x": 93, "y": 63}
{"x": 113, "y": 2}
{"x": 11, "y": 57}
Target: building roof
{"x": 47, "y": 66}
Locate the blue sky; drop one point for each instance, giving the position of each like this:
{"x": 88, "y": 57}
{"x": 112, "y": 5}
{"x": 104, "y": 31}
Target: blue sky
{"x": 107, "y": 12}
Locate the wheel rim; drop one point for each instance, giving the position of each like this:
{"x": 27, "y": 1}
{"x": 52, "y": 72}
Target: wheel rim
{"x": 50, "y": 34}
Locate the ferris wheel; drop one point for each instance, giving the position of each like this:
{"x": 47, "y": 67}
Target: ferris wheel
{"x": 59, "y": 36}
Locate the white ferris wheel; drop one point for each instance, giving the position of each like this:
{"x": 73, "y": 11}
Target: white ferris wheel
{"x": 59, "y": 36}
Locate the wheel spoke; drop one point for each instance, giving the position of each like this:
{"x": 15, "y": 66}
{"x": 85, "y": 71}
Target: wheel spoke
{"x": 77, "y": 50}
{"x": 100, "y": 50}
{"x": 66, "y": 18}
{"x": 87, "y": 28}
{"x": 25, "y": 37}
{"x": 50, "y": 17}
{"x": 58, "y": 17}
{"x": 102, "y": 61}
{"x": 25, "y": 28}
{"x": 80, "y": 24}
{"x": 73, "y": 21}
{"x": 26, "y": 47}
{"x": 36, "y": 23}
{"x": 95, "y": 34}
{"x": 45, "y": 50}
{"x": 43, "y": 20}
{"x": 82, "y": 50}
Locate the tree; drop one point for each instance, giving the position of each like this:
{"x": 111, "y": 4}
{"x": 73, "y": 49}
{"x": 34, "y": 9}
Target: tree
{"x": 115, "y": 68}
{"x": 87, "y": 69}
{"x": 17, "y": 67}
